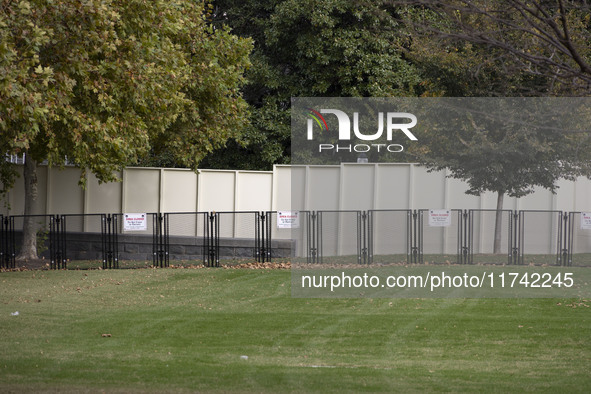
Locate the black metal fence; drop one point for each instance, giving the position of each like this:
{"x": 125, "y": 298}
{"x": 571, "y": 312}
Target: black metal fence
{"x": 7, "y": 252}
{"x": 480, "y": 234}
{"x": 341, "y": 237}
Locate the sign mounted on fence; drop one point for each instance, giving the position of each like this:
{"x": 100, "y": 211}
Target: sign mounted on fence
{"x": 585, "y": 220}
{"x": 135, "y": 222}
{"x": 288, "y": 219}
{"x": 439, "y": 217}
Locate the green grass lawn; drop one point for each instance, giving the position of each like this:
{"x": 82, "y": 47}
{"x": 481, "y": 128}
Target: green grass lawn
{"x": 154, "y": 330}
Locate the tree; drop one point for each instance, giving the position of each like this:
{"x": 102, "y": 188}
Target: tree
{"x": 106, "y": 82}
{"x": 504, "y": 48}
{"x": 459, "y": 68}
{"x": 509, "y": 146}
{"x": 310, "y": 48}
{"x": 547, "y": 40}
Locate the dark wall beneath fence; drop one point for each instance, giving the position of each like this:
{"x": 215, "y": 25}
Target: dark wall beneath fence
{"x": 88, "y": 246}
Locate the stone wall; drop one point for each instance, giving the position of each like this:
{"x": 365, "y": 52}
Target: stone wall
{"x": 88, "y": 246}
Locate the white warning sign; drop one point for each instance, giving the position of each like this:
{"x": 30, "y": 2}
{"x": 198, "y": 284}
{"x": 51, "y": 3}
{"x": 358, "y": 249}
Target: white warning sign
{"x": 288, "y": 219}
{"x": 135, "y": 222}
{"x": 439, "y": 217}
{"x": 585, "y": 220}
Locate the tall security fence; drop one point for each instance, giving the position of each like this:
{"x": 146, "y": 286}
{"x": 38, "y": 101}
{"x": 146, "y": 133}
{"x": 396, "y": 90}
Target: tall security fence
{"x": 452, "y": 236}
{"x": 481, "y": 238}
{"x": 7, "y": 252}
{"x": 422, "y": 236}
{"x": 128, "y": 240}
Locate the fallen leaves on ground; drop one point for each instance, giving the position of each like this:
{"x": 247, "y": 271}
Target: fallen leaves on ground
{"x": 258, "y": 266}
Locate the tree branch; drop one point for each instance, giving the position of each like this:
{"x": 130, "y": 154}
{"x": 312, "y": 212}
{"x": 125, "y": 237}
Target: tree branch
{"x": 554, "y": 55}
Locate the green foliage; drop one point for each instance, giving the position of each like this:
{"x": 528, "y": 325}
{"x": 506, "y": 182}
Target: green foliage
{"x": 310, "y": 48}
{"x": 339, "y": 48}
{"x": 105, "y": 82}
{"x": 501, "y": 48}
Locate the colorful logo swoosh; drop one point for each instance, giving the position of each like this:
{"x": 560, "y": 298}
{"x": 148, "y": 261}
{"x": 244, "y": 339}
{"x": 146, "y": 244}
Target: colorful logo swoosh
{"x": 318, "y": 118}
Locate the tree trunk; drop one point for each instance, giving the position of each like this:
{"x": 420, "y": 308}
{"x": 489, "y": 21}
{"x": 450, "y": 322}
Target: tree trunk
{"x": 498, "y": 223}
{"x": 29, "y": 246}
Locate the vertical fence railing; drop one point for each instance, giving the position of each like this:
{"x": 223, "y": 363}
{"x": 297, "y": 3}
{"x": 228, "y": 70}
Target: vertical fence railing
{"x": 214, "y": 250}
{"x": 579, "y": 239}
{"x": 135, "y": 243}
{"x": 482, "y": 237}
{"x": 339, "y": 235}
{"x": 57, "y": 243}
{"x": 325, "y": 236}
{"x": 109, "y": 229}
{"x": 563, "y": 248}
{"x": 3, "y": 248}
{"x": 246, "y": 226}
{"x": 268, "y": 220}
{"x": 84, "y": 237}
{"x": 7, "y": 242}
{"x": 186, "y": 236}
{"x": 438, "y": 241}
{"x": 313, "y": 238}
{"x": 464, "y": 237}
{"x": 515, "y": 231}
{"x": 159, "y": 246}
{"x": 364, "y": 237}
{"x": 415, "y": 248}
{"x": 41, "y": 228}
{"x": 545, "y": 248}
{"x": 390, "y": 236}
{"x": 258, "y": 240}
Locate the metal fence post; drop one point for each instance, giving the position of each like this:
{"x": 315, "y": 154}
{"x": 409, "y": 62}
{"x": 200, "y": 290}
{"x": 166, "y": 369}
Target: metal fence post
{"x": 409, "y": 246}
{"x": 414, "y": 250}
{"x": 7, "y": 242}
{"x": 309, "y": 237}
{"x": 314, "y": 237}
{"x": 259, "y": 250}
{"x": 464, "y": 252}
{"x": 362, "y": 237}
{"x": 213, "y": 255}
{"x": 56, "y": 242}
{"x": 269, "y": 238}
{"x": 571, "y": 235}
{"x": 421, "y": 239}
{"x": 510, "y": 239}
{"x": 516, "y": 250}
{"x": 103, "y": 239}
{"x": 564, "y": 254}
{"x": 166, "y": 239}
{"x": 159, "y": 256}
{"x": 63, "y": 259}
{"x": 470, "y": 236}
{"x": 266, "y": 236}
{"x": 111, "y": 248}
{"x": 206, "y": 243}
{"x": 370, "y": 238}
{"x": 52, "y": 243}
{"x": 3, "y": 243}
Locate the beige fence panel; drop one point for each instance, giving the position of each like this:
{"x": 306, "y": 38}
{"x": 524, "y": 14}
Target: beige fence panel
{"x": 348, "y": 186}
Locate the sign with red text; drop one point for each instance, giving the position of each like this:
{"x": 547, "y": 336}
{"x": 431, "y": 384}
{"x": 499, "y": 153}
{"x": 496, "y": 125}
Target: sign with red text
{"x": 288, "y": 219}
{"x": 439, "y": 217}
{"x": 135, "y": 222}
